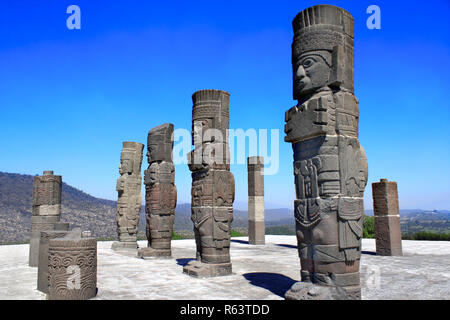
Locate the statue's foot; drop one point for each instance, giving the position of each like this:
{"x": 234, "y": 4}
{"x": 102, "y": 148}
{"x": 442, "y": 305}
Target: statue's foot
{"x": 148, "y": 253}
{"x": 311, "y": 291}
{"x": 206, "y": 270}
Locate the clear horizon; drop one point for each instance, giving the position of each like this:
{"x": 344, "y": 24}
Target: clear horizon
{"x": 69, "y": 98}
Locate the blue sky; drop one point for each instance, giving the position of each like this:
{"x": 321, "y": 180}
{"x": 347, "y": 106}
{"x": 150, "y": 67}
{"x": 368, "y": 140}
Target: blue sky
{"x": 68, "y": 98}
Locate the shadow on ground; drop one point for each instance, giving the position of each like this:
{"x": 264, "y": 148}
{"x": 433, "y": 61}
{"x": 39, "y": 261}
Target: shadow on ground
{"x": 184, "y": 261}
{"x": 369, "y": 252}
{"x": 274, "y": 282}
{"x": 239, "y": 241}
{"x": 287, "y": 245}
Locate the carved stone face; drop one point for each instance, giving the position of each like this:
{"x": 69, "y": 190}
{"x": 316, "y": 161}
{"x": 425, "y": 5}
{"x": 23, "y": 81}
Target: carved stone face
{"x": 152, "y": 150}
{"x": 126, "y": 164}
{"x": 198, "y": 130}
{"x": 311, "y": 72}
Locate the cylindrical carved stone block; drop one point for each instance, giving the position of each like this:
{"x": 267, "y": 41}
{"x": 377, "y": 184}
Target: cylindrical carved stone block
{"x": 212, "y": 184}
{"x": 42, "y": 281}
{"x": 388, "y": 235}
{"x": 129, "y": 196}
{"x": 256, "y": 227}
{"x": 160, "y": 192}
{"x": 72, "y": 269}
{"x": 330, "y": 166}
{"x": 46, "y": 210}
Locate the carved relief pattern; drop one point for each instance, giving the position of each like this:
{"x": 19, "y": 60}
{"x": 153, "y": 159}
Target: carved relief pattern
{"x": 65, "y": 254}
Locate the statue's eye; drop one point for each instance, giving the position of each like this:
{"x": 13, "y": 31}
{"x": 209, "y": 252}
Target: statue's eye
{"x": 308, "y": 62}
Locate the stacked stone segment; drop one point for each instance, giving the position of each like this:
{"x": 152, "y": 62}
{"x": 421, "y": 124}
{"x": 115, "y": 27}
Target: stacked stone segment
{"x": 388, "y": 236}
{"x": 46, "y": 211}
{"x": 256, "y": 221}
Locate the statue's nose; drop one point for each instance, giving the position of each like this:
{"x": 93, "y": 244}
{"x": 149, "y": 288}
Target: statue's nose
{"x": 300, "y": 72}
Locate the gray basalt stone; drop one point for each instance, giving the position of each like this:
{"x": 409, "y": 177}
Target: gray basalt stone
{"x": 160, "y": 193}
{"x": 256, "y": 225}
{"x": 330, "y": 166}
{"x": 212, "y": 184}
{"x": 72, "y": 267}
{"x": 42, "y": 281}
{"x": 46, "y": 210}
{"x": 129, "y": 196}
{"x": 388, "y": 235}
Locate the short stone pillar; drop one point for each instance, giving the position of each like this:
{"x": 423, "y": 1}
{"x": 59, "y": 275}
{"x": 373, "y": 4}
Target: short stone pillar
{"x": 46, "y": 210}
{"x": 160, "y": 193}
{"x": 129, "y": 196}
{"x": 256, "y": 227}
{"x": 72, "y": 268}
{"x": 388, "y": 234}
{"x": 42, "y": 281}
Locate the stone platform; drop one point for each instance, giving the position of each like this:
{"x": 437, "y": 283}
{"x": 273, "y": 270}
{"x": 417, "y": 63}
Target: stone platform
{"x": 259, "y": 272}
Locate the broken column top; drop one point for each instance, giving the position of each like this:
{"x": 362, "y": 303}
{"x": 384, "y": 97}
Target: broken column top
{"x": 160, "y": 143}
{"x": 48, "y": 173}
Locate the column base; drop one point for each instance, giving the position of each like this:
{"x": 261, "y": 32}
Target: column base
{"x": 310, "y": 291}
{"x": 207, "y": 270}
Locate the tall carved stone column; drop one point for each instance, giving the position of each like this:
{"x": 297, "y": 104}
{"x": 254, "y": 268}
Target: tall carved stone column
{"x": 129, "y": 196}
{"x": 256, "y": 227}
{"x": 46, "y": 211}
{"x": 388, "y": 233}
{"x": 330, "y": 166}
{"x": 160, "y": 192}
{"x": 212, "y": 184}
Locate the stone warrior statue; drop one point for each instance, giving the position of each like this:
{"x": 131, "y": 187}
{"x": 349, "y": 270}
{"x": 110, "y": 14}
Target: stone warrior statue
{"x": 160, "y": 192}
{"x": 330, "y": 166}
{"x": 129, "y": 196}
{"x": 212, "y": 184}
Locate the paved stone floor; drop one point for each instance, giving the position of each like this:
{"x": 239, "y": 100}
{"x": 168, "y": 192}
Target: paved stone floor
{"x": 260, "y": 272}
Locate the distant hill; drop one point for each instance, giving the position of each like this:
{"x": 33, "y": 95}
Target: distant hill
{"x": 98, "y": 215}
{"x": 78, "y": 208}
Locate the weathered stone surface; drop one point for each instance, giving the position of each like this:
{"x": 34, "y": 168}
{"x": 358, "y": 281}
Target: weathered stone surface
{"x": 388, "y": 233}
{"x": 46, "y": 210}
{"x": 129, "y": 196}
{"x": 330, "y": 166}
{"x": 160, "y": 192}
{"x": 72, "y": 268}
{"x": 212, "y": 184}
{"x": 42, "y": 281}
{"x": 256, "y": 227}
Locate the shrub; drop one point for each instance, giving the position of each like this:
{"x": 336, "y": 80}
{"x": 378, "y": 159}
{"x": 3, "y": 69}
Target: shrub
{"x": 369, "y": 227}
